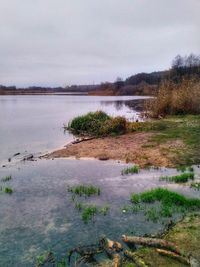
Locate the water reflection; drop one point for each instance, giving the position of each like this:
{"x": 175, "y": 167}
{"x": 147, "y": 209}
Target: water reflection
{"x": 40, "y": 214}
{"x": 134, "y": 105}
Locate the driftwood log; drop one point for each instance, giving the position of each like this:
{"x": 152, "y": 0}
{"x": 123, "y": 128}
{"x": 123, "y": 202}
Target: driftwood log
{"x": 152, "y": 242}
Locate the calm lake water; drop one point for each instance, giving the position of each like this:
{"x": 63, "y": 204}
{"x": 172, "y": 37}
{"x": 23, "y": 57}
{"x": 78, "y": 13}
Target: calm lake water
{"x": 33, "y": 124}
{"x": 40, "y": 214}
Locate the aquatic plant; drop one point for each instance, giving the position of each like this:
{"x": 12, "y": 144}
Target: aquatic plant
{"x": 88, "y": 213}
{"x": 130, "y": 170}
{"x": 104, "y": 210}
{"x": 48, "y": 258}
{"x": 166, "y": 198}
{"x": 6, "y": 178}
{"x": 84, "y": 190}
{"x": 190, "y": 169}
{"x": 195, "y": 185}
{"x": 7, "y": 190}
{"x": 184, "y": 168}
{"x": 152, "y": 214}
{"x": 166, "y": 202}
{"x": 182, "y": 178}
{"x": 78, "y": 206}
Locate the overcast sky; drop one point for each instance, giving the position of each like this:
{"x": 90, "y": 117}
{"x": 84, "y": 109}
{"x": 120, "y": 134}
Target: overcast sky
{"x": 63, "y": 42}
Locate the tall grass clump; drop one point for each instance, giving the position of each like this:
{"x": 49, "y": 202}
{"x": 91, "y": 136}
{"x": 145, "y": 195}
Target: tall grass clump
{"x": 176, "y": 98}
{"x": 182, "y": 178}
{"x": 97, "y": 124}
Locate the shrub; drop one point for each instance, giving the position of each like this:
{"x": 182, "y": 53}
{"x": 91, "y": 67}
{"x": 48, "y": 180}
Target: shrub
{"x": 98, "y": 124}
{"x": 89, "y": 123}
{"x": 176, "y": 98}
{"x": 115, "y": 125}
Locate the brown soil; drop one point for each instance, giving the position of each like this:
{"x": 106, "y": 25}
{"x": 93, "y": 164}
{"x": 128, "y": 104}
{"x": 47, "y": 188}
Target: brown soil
{"x": 130, "y": 147}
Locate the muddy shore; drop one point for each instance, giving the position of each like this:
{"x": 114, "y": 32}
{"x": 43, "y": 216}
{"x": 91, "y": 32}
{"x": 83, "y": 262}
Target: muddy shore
{"x": 130, "y": 147}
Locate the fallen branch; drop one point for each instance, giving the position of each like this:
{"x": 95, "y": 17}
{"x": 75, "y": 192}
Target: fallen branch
{"x": 152, "y": 242}
{"x": 77, "y": 141}
{"x": 135, "y": 258}
{"x": 174, "y": 256}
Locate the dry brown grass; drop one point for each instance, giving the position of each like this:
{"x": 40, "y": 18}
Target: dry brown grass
{"x": 176, "y": 98}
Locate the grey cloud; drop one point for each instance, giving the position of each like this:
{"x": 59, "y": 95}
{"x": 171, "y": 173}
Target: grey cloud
{"x": 61, "y": 42}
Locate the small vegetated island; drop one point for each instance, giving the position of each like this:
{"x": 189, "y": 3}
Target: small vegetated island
{"x": 168, "y": 136}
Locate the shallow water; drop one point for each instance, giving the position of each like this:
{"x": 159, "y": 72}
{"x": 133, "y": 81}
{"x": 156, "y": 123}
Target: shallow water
{"x": 40, "y": 214}
{"x": 34, "y": 124}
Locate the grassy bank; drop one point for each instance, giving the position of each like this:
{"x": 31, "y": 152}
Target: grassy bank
{"x": 178, "y": 137}
{"x": 185, "y": 234}
{"x": 97, "y": 124}
{"x": 175, "y": 139}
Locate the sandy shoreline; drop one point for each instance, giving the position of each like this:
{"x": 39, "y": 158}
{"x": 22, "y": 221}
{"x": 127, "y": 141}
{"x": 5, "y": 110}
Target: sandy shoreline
{"x": 131, "y": 147}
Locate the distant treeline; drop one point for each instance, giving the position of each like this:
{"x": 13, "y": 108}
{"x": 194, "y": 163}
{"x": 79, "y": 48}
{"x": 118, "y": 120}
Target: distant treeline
{"x": 139, "y": 84}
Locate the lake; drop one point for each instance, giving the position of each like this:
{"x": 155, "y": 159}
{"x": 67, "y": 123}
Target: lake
{"x": 34, "y": 124}
{"x": 40, "y": 215}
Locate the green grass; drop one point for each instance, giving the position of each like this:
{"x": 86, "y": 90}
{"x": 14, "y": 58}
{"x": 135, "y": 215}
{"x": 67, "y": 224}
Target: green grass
{"x": 152, "y": 214}
{"x": 165, "y": 203}
{"x": 97, "y": 124}
{"x": 182, "y": 178}
{"x": 195, "y": 185}
{"x": 185, "y": 128}
{"x": 88, "y": 213}
{"x": 84, "y": 190}
{"x": 104, "y": 210}
{"x": 6, "y": 178}
{"x": 7, "y": 190}
{"x": 166, "y": 197}
{"x": 130, "y": 170}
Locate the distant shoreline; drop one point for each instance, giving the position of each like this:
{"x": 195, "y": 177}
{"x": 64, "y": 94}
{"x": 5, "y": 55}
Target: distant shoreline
{"x": 40, "y": 93}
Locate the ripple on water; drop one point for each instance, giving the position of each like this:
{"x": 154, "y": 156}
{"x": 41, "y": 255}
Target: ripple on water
{"x": 40, "y": 215}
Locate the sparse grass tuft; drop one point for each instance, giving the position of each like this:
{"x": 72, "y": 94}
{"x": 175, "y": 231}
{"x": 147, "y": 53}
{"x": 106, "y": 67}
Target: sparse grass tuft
{"x": 8, "y": 190}
{"x": 6, "y": 178}
{"x": 88, "y": 213}
{"x": 195, "y": 185}
{"x": 104, "y": 210}
{"x": 130, "y": 170}
{"x": 152, "y": 214}
{"x": 182, "y": 178}
{"x": 84, "y": 190}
